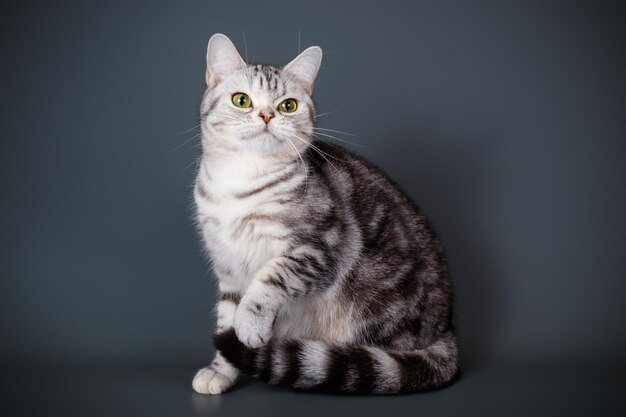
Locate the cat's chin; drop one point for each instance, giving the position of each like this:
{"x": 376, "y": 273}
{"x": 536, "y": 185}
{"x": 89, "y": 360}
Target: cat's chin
{"x": 267, "y": 139}
{"x": 264, "y": 143}
{"x": 265, "y": 134}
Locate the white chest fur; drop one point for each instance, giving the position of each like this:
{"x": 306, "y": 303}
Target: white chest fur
{"x": 242, "y": 232}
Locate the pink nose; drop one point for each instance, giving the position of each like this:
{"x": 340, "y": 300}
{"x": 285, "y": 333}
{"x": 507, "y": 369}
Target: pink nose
{"x": 267, "y": 115}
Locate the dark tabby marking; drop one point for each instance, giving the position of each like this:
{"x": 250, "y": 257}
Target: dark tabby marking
{"x": 350, "y": 369}
{"x": 286, "y": 177}
{"x": 230, "y": 296}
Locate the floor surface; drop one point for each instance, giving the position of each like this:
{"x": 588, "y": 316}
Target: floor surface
{"x": 165, "y": 390}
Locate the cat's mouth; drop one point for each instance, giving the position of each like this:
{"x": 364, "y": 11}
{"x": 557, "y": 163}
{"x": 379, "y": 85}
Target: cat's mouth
{"x": 266, "y": 133}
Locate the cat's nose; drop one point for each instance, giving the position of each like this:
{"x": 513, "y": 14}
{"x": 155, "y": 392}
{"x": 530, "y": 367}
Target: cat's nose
{"x": 266, "y": 114}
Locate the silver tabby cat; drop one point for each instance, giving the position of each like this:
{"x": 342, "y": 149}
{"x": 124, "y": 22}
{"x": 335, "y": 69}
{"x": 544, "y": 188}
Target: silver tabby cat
{"x": 329, "y": 277}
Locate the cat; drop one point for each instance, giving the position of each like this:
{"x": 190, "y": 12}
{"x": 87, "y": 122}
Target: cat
{"x": 330, "y": 279}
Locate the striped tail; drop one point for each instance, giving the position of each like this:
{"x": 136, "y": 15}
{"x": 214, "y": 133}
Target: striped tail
{"x": 319, "y": 366}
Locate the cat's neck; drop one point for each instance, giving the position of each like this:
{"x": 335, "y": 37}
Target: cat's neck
{"x": 239, "y": 168}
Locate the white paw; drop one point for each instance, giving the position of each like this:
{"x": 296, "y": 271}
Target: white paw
{"x": 208, "y": 381}
{"x": 253, "y": 324}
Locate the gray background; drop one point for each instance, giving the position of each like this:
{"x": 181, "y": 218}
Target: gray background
{"x": 504, "y": 121}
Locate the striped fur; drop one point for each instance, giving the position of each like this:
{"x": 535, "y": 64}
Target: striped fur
{"x": 319, "y": 366}
{"x": 330, "y": 278}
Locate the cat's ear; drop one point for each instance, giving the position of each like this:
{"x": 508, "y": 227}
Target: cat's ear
{"x": 305, "y": 66}
{"x": 222, "y": 59}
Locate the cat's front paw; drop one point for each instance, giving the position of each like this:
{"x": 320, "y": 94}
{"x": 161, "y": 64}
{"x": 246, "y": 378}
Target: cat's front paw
{"x": 253, "y": 324}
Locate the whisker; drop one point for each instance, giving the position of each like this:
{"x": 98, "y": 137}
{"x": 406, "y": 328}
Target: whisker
{"x": 195, "y": 161}
{"x": 336, "y": 138}
{"x": 245, "y": 44}
{"x": 306, "y": 170}
{"x": 184, "y": 143}
{"x": 318, "y": 150}
{"x": 336, "y": 131}
{"x": 188, "y": 130}
{"x": 231, "y": 118}
{"x": 328, "y": 112}
{"x": 230, "y": 115}
{"x": 227, "y": 117}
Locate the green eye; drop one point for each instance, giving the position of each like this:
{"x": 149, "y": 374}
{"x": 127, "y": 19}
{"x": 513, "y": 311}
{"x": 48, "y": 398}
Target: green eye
{"x": 288, "y": 105}
{"x": 241, "y": 100}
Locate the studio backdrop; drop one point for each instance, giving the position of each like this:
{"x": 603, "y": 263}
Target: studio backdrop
{"x": 503, "y": 121}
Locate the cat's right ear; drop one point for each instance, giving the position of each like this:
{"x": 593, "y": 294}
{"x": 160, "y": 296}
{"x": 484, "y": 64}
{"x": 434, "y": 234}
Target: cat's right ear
{"x": 222, "y": 59}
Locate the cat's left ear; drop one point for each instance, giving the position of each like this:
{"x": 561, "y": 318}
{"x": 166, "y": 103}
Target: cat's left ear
{"x": 305, "y": 66}
{"x": 222, "y": 59}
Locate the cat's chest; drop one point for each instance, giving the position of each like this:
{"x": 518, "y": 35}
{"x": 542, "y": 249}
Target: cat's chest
{"x": 242, "y": 233}
{"x": 242, "y": 239}
{"x": 241, "y": 224}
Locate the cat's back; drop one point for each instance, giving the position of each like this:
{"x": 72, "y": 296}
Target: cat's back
{"x": 368, "y": 187}
{"x": 388, "y": 219}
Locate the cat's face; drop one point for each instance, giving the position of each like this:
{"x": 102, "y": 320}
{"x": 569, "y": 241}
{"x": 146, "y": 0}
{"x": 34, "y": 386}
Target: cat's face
{"x": 258, "y": 109}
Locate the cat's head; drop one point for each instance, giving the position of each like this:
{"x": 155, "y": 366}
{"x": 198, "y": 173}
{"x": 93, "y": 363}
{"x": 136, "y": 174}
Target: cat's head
{"x": 258, "y": 109}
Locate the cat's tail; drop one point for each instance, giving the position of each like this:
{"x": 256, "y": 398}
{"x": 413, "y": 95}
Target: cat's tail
{"x": 320, "y": 366}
